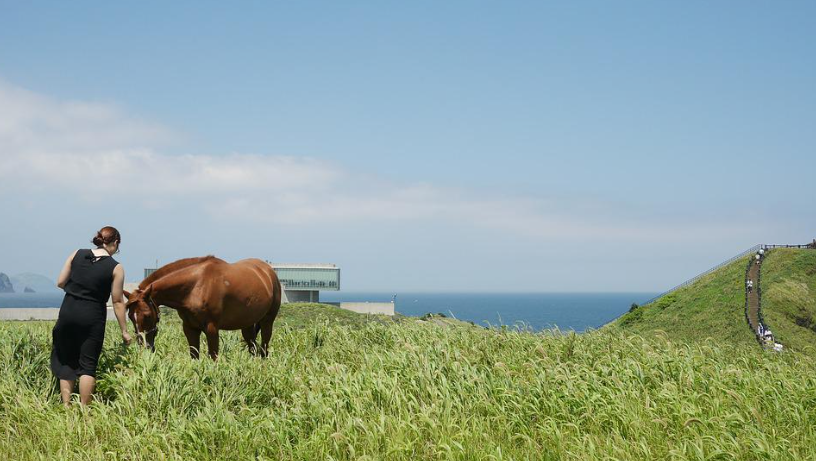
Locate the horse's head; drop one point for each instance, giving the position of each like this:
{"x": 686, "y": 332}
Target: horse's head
{"x": 144, "y": 313}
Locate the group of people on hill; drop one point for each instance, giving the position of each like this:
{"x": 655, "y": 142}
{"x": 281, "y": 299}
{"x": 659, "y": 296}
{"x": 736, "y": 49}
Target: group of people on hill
{"x": 766, "y": 337}
{"x": 764, "y": 333}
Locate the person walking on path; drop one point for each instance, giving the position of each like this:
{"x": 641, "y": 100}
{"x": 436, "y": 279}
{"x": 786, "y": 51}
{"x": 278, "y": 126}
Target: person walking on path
{"x": 758, "y": 257}
{"x": 750, "y": 284}
{"x": 89, "y": 278}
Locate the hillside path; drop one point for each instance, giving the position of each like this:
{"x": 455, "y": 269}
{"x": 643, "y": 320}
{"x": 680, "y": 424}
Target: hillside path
{"x": 753, "y": 297}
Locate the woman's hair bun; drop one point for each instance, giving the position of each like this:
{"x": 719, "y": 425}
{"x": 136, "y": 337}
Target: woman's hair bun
{"x": 105, "y": 235}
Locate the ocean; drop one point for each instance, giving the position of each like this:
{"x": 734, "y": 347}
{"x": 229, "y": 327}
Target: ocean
{"x": 567, "y": 311}
{"x": 50, "y": 299}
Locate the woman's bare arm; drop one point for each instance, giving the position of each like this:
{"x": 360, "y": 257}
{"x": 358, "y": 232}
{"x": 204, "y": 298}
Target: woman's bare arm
{"x": 65, "y": 273}
{"x": 117, "y": 291}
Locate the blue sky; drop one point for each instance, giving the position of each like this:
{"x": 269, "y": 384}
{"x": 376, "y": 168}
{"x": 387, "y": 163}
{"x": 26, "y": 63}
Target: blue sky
{"x": 490, "y": 146}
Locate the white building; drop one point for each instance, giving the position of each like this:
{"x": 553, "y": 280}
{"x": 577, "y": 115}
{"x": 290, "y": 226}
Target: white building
{"x": 304, "y": 282}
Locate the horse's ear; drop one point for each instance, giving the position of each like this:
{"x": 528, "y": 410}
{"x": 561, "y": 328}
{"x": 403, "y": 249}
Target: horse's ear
{"x": 127, "y": 294}
{"x": 148, "y": 290}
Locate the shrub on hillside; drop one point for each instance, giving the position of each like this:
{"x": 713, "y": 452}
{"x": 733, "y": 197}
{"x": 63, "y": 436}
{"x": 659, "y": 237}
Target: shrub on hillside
{"x": 631, "y": 317}
{"x": 665, "y": 301}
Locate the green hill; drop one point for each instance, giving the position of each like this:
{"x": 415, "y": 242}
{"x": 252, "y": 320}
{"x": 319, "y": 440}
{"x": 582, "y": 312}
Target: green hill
{"x": 789, "y": 297}
{"x": 714, "y": 306}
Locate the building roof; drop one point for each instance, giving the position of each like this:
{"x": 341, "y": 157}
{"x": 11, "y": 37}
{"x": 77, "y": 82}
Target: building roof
{"x": 303, "y": 266}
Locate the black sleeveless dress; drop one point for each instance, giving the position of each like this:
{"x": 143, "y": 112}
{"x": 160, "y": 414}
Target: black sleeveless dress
{"x": 80, "y": 329}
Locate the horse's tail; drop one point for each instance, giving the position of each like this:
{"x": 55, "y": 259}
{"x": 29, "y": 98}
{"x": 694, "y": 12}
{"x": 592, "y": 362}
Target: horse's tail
{"x": 277, "y": 293}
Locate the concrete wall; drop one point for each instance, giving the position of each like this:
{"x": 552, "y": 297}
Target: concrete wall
{"x": 289, "y": 296}
{"x": 297, "y": 296}
{"x": 37, "y": 313}
{"x": 131, "y": 287}
{"x": 50, "y": 313}
{"x": 369, "y": 308}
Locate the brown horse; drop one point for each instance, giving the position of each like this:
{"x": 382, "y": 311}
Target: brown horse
{"x": 209, "y": 295}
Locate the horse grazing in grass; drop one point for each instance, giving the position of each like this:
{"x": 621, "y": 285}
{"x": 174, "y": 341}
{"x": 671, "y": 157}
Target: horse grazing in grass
{"x": 209, "y": 295}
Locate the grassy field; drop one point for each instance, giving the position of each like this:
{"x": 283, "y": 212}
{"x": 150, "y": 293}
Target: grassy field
{"x": 711, "y": 308}
{"x": 789, "y": 297}
{"x": 361, "y": 388}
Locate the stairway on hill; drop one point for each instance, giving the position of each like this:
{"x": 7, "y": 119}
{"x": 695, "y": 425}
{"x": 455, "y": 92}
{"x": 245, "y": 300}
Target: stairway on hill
{"x": 753, "y": 296}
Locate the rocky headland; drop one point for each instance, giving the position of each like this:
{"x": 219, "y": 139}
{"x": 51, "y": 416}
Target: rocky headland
{"x": 5, "y": 284}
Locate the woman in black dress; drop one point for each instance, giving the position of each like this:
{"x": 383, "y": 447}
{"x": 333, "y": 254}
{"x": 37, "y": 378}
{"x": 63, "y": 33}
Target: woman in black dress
{"x": 88, "y": 277}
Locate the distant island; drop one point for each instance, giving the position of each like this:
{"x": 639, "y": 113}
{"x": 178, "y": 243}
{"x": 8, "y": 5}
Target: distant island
{"x": 5, "y": 284}
{"x": 27, "y": 282}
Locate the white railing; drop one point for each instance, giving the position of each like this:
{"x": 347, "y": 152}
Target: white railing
{"x": 697, "y": 277}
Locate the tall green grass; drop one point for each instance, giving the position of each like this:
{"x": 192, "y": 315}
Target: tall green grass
{"x": 413, "y": 390}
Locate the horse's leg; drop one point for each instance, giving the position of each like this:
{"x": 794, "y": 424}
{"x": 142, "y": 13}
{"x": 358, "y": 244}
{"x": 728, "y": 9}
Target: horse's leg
{"x": 266, "y": 334}
{"x": 250, "y": 333}
{"x": 193, "y": 339}
{"x": 212, "y": 341}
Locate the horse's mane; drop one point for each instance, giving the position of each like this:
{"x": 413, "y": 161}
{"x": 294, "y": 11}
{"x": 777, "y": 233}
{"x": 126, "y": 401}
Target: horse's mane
{"x": 172, "y": 267}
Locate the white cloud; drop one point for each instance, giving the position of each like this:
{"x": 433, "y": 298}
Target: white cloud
{"x": 30, "y": 122}
{"x": 86, "y": 149}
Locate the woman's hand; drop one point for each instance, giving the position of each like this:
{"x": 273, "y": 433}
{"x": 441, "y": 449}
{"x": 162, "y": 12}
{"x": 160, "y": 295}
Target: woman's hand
{"x": 126, "y": 338}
